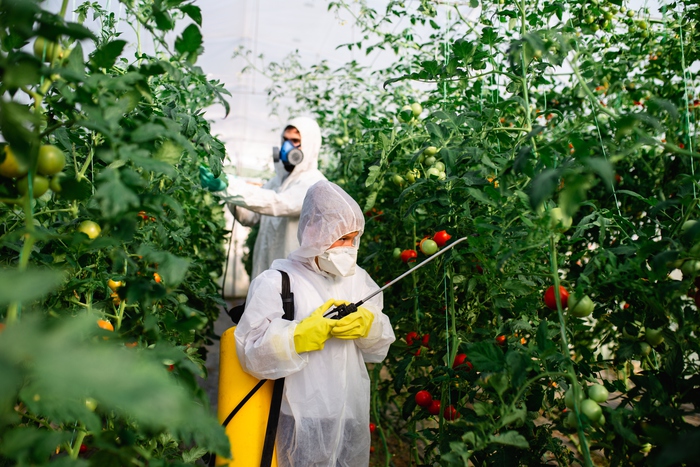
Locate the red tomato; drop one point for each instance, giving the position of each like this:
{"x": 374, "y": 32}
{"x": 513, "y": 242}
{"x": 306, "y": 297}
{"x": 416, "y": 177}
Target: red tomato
{"x": 371, "y": 449}
{"x": 501, "y": 340}
{"x": 434, "y": 408}
{"x": 372, "y": 427}
{"x": 441, "y": 238}
{"x": 423, "y": 398}
{"x": 411, "y": 337}
{"x": 409, "y": 256}
{"x": 551, "y": 301}
{"x": 450, "y": 413}
{"x": 425, "y": 341}
{"x": 83, "y": 448}
{"x": 461, "y": 359}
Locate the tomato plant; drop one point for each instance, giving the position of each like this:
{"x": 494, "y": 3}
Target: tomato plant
{"x": 535, "y": 108}
{"x": 94, "y": 131}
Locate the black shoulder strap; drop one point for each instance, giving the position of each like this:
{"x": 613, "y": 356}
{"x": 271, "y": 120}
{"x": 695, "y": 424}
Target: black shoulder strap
{"x": 278, "y": 390}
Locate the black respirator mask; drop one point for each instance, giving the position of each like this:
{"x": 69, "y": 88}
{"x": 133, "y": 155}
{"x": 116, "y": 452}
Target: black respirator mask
{"x": 289, "y": 155}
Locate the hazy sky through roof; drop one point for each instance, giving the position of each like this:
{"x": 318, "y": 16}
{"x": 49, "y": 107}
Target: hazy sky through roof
{"x": 273, "y": 28}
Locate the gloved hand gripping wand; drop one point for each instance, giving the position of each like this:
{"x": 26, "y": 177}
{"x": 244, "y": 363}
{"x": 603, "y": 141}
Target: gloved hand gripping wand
{"x": 344, "y": 310}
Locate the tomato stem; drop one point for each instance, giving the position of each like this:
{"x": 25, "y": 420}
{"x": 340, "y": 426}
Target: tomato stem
{"x": 75, "y": 449}
{"x": 575, "y": 387}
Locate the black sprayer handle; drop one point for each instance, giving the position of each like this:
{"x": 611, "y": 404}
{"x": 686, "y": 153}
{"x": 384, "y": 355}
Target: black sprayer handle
{"x": 341, "y": 311}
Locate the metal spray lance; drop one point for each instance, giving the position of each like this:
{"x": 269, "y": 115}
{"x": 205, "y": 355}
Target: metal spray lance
{"x": 344, "y": 310}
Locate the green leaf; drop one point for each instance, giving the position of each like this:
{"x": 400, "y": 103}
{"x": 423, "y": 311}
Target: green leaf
{"x": 603, "y": 168}
{"x": 32, "y": 443}
{"x": 67, "y": 362}
{"x": 518, "y": 416}
{"x": 542, "y": 187}
{"x": 74, "y": 190}
{"x": 481, "y": 196}
{"x": 172, "y": 268}
{"x": 374, "y": 172}
{"x": 190, "y": 41}
{"x": 193, "y": 12}
{"x": 106, "y": 56}
{"x": 147, "y": 132}
{"x": 485, "y": 356}
{"x": 113, "y": 196}
{"x": 154, "y": 165}
{"x": 169, "y": 152}
{"x": 29, "y": 285}
{"x": 510, "y": 438}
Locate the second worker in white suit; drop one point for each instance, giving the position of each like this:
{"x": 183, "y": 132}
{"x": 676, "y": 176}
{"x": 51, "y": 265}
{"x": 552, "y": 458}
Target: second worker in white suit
{"x": 277, "y": 204}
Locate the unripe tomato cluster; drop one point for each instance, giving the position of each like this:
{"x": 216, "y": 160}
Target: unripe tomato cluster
{"x": 428, "y": 246}
{"x": 410, "y": 111}
{"x": 50, "y": 163}
{"x": 590, "y": 407}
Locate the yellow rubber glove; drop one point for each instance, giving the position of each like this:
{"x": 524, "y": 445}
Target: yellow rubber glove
{"x": 354, "y": 325}
{"x": 313, "y": 331}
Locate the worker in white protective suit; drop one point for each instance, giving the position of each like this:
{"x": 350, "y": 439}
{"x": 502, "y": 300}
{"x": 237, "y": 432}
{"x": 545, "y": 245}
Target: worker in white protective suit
{"x": 324, "y": 416}
{"x": 277, "y": 204}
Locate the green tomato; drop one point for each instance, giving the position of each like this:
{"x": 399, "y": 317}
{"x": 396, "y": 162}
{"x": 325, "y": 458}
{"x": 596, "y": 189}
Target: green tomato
{"x": 428, "y": 246}
{"x": 398, "y": 180}
{"x": 580, "y": 307}
{"x": 412, "y": 175}
{"x": 51, "y": 160}
{"x": 430, "y": 151}
{"x": 600, "y": 421}
{"x": 690, "y": 267}
{"x": 55, "y": 183}
{"x": 598, "y": 393}
{"x": 416, "y": 109}
{"x": 90, "y": 228}
{"x": 558, "y": 220}
{"x": 645, "y": 349}
{"x": 440, "y": 166}
{"x": 654, "y": 336}
{"x": 396, "y": 254}
{"x": 406, "y": 113}
{"x": 432, "y": 173}
{"x": 591, "y": 409}
{"x": 570, "y": 421}
{"x": 442, "y": 176}
{"x": 52, "y": 50}
{"x": 430, "y": 160}
{"x": 90, "y": 403}
{"x": 40, "y": 185}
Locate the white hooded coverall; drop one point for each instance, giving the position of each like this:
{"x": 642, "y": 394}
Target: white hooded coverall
{"x": 324, "y": 419}
{"x": 277, "y": 204}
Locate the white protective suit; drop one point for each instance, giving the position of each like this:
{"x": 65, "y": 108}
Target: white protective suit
{"x": 324, "y": 419}
{"x": 277, "y": 204}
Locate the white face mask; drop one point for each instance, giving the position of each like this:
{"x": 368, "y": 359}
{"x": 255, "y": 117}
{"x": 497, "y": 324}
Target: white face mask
{"x": 339, "y": 261}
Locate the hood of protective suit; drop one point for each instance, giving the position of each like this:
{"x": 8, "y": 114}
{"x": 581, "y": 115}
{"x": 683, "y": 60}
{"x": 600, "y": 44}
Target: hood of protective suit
{"x": 310, "y": 145}
{"x": 327, "y": 214}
